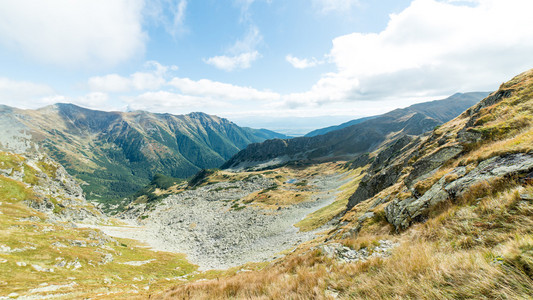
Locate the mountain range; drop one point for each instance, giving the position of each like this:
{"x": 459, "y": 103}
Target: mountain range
{"x": 115, "y": 154}
{"x": 438, "y": 205}
{"x": 356, "y": 137}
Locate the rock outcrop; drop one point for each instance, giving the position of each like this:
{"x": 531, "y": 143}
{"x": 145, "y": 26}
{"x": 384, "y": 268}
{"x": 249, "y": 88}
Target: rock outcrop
{"x": 385, "y": 169}
{"x": 54, "y": 191}
{"x": 345, "y": 254}
{"x": 488, "y": 143}
{"x": 402, "y": 213}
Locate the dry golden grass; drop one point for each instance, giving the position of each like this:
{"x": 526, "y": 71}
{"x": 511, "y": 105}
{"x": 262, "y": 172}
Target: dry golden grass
{"x": 452, "y": 256}
{"x": 479, "y": 246}
{"x": 35, "y": 238}
{"x": 519, "y": 143}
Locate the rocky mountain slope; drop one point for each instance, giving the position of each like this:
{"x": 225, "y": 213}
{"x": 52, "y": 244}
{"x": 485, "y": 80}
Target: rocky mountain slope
{"x": 415, "y": 164}
{"x": 47, "y": 251}
{"x": 347, "y": 142}
{"x": 441, "y": 110}
{"x": 444, "y": 215}
{"x": 47, "y": 188}
{"x": 115, "y": 153}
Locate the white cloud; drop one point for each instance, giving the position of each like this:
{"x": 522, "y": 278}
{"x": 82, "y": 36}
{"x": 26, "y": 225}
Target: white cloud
{"x": 165, "y": 102}
{"x": 73, "y": 33}
{"x": 332, "y": 87}
{"x": 179, "y": 15}
{"x": 325, "y": 6}
{"x": 431, "y": 48}
{"x": 219, "y": 90}
{"x": 158, "y": 80}
{"x": 230, "y": 63}
{"x": 245, "y": 9}
{"x": 147, "y": 80}
{"x": 94, "y": 100}
{"x": 24, "y": 94}
{"x": 302, "y": 63}
{"x": 110, "y": 83}
{"x": 241, "y": 54}
{"x": 30, "y": 95}
{"x": 155, "y": 90}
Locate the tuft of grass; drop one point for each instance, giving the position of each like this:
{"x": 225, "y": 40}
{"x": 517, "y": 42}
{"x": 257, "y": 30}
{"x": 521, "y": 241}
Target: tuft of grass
{"x": 422, "y": 186}
{"x": 301, "y": 183}
{"x": 30, "y": 175}
{"x": 10, "y": 161}
{"x": 13, "y": 191}
{"x": 48, "y": 169}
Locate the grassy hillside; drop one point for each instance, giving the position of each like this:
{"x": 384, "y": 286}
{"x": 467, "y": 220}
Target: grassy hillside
{"x": 44, "y": 254}
{"x": 468, "y": 236}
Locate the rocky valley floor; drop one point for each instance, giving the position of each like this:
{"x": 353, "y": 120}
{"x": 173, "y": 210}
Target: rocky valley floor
{"x": 217, "y": 230}
{"x": 228, "y": 222}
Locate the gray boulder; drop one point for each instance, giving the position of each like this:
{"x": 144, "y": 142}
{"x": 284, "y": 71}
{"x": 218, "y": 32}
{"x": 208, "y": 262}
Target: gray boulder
{"x": 402, "y": 213}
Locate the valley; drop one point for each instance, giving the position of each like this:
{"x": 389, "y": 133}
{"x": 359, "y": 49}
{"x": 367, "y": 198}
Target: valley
{"x": 444, "y": 215}
{"x": 224, "y": 224}
{"x": 266, "y": 150}
{"x": 402, "y": 205}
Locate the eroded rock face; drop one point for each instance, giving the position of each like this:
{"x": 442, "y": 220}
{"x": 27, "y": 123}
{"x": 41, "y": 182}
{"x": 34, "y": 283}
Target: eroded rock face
{"x": 433, "y": 161}
{"x": 495, "y": 167}
{"x": 384, "y": 171}
{"x": 372, "y": 185}
{"x": 56, "y": 192}
{"x": 402, "y": 213}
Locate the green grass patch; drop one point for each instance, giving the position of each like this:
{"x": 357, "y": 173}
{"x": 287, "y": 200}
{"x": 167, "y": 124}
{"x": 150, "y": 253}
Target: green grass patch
{"x": 10, "y": 161}
{"x": 48, "y": 169}
{"x": 13, "y": 191}
{"x": 30, "y": 175}
{"x": 272, "y": 188}
{"x": 218, "y": 189}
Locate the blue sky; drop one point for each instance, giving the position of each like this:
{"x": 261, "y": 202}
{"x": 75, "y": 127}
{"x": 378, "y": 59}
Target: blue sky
{"x": 254, "y": 61}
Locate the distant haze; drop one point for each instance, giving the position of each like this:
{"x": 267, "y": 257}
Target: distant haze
{"x": 292, "y": 126}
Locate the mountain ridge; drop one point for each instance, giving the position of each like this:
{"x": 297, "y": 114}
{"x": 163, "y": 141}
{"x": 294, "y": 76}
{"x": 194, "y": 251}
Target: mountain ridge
{"x": 117, "y": 153}
{"x": 347, "y": 142}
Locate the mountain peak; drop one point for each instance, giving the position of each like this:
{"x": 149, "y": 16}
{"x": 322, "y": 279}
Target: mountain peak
{"x": 199, "y": 115}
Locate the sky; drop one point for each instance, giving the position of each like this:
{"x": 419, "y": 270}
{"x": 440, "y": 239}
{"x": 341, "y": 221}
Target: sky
{"x": 260, "y": 63}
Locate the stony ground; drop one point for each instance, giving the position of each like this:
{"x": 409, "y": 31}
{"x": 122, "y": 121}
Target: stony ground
{"x": 205, "y": 224}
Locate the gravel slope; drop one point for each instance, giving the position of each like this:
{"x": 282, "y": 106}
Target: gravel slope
{"x": 201, "y": 224}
